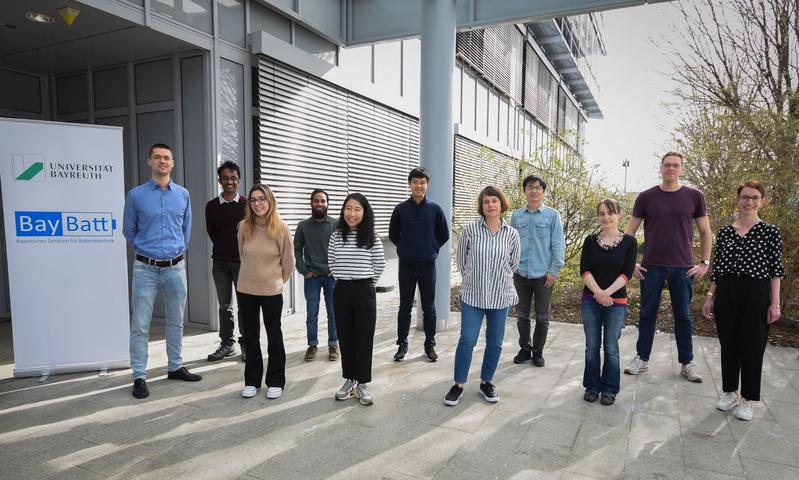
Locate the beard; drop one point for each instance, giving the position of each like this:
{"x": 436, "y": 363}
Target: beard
{"x": 319, "y": 213}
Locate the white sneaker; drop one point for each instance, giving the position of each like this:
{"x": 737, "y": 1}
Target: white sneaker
{"x": 249, "y": 391}
{"x": 636, "y": 366}
{"x": 346, "y": 390}
{"x": 728, "y": 401}
{"x": 362, "y": 391}
{"x": 744, "y": 410}
{"x": 688, "y": 371}
{"x": 274, "y": 392}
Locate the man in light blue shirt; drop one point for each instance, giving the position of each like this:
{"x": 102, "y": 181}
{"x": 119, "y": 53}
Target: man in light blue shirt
{"x": 157, "y": 224}
{"x": 543, "y": 245}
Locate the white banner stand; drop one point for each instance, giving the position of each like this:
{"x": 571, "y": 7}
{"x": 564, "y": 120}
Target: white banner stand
{"x": 63, "y": 195}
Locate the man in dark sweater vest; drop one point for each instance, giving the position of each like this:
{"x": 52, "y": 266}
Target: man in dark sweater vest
{"x": 222, "y": 217}
{"x": 418, "y": 228}
{"x": 310, "y": 256}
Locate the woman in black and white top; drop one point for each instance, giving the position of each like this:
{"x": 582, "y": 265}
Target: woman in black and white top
{"x": 488, "y": 254}
{"x": 355, "y": 256}
{"x": 744, "y": 298}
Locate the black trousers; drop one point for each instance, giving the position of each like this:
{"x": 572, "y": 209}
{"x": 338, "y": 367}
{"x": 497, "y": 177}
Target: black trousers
{"x": 409, "y": 276}
{"x": 356, "y": 315}
{"x": 250, "y": 307}
{"x": 226, "y": 276}
{"x": 741, "y": 311}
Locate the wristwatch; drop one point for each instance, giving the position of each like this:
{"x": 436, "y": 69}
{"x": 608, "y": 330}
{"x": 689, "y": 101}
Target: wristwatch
{"x": 706, "y": 261}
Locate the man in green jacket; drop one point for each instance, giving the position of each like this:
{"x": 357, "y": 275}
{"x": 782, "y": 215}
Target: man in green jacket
{"x": 310, "y": 252}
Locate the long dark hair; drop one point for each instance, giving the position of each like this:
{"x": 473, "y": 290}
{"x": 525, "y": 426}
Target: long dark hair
{"x": 365, "y": 234}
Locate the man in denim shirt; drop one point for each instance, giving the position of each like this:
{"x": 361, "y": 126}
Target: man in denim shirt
{"x": 157, "y": 225}
{"x": 541, "y": 234}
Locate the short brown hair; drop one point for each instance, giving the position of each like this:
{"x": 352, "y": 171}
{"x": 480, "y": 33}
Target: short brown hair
{"x": 672, "y": 153}
{"x": 491, "y": 191}
{"x": 756, "y": 184}
{"x": 612, "y": 205}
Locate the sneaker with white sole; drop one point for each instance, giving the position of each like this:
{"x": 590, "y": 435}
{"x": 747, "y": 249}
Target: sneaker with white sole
{"x": 274, "y": 392}
{"x": 453, "y": 396}
{"x": 690, "y": 372}
{"x": 489, "y": 392}
{"x": 249, "y": 391}
{"x": 728, "y": 401}
{"x": 364, "y": 394}
{"x": 744, "y": 410}
{"x": 347, "y": 390}
{"x": 636, "y": 366}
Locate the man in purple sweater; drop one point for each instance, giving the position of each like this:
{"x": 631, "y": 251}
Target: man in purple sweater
{"x": 668, "y": 211}
{"x": 418, "y": 228}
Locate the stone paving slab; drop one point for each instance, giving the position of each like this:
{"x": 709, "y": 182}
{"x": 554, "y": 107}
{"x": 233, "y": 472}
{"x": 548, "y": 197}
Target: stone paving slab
{"x": 83, "y": 426}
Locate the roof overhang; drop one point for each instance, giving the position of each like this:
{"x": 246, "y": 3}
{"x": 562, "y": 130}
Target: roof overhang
{"x": 372, "y": 21}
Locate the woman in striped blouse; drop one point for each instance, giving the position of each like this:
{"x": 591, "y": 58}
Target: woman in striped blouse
{"x": 488, "y": 254}
{"x": 355, "y": 255}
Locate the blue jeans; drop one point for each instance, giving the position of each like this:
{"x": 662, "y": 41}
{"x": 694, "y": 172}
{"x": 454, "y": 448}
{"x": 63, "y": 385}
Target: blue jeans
{"x": 471, "y": 321}
{"x": 147, "y": 280}
{"x": 312, "y": 287}
{"x": 681, "y": 291}
{"x": 597, "y": 318}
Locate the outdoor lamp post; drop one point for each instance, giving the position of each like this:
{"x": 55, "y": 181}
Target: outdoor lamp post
{"x": 626, "y": 165}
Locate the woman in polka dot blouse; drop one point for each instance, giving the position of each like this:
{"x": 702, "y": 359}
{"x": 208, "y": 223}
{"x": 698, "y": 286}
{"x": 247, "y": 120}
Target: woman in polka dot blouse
{"x": 744, "y": 298}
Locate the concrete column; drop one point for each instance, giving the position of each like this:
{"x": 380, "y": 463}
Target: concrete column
{"x": 438, "y": 63}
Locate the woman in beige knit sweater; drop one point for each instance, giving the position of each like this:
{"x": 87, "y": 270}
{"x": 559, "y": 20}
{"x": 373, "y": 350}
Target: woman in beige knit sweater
{"x": 267, "y": 261}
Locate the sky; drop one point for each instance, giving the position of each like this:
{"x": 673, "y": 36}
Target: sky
{"x": 634, "y": 88}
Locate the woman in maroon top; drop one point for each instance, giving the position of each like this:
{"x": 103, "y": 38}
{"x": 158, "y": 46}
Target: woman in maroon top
{"x": 606, "y": 265}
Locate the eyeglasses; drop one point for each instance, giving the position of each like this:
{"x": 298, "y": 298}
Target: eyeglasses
{"x": 228, "y": 179}
{"x": 534, "y": 188}
{"x": 259, "y": 201}
{"x": 745, "y": 198}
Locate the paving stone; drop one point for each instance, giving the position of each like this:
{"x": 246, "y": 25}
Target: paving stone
{"x": 654, "y": 468}
{"x": 699, "y": 474}
{"x": 758, "y": 470}
{"x": 548, "y": 462}
{"x": 717, "y": 453}
{"x": 85, "y": 426}
{"x": 764, "y": 441}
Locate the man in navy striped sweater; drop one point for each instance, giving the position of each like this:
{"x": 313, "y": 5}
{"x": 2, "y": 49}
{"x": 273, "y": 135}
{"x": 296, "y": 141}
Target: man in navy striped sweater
{"x": 418, "y": 228}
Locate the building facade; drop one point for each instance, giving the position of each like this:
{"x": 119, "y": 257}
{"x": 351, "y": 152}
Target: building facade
{"x": 265, "y": 83}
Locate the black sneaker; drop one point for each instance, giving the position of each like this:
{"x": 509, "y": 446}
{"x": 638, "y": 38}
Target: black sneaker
{"x": 140, "y": 389}
{"x": 607, "y": 399}
{"x": 183, "y": 374}
{"x": 225, "y": 349}
{"x": 401, "y": 352}
{"x": 538, "y": 359}
{"x": 430, "y": 353}
{"x": 489, "y": 392}
{"x": 590, "y": 396}
{"x": 523, "y": 355}
{"x": 454, "y": 395}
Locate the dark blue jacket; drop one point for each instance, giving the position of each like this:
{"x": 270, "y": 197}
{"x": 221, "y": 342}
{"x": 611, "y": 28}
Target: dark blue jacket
{"x": 418, "y": 230}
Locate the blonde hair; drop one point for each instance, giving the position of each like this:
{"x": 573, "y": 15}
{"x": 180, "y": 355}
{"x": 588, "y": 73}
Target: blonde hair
{"x": 274, "y": 224}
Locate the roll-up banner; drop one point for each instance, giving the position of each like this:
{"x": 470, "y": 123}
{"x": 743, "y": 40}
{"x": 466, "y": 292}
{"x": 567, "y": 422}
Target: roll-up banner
{"x": 63, "y": 195}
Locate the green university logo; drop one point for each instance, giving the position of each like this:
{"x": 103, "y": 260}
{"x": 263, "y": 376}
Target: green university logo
{"x": 29, "y": 168}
